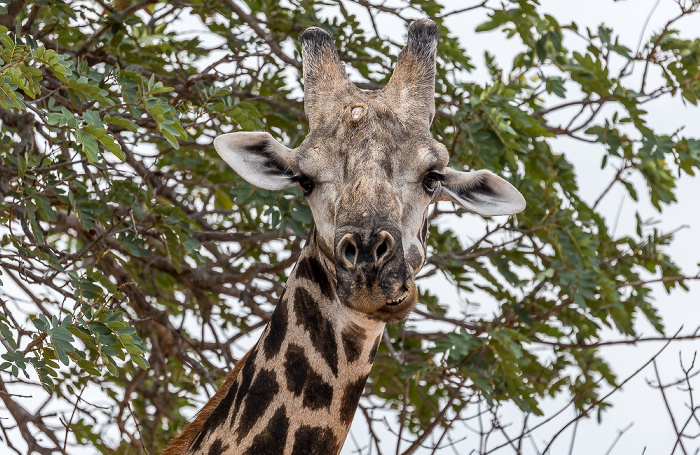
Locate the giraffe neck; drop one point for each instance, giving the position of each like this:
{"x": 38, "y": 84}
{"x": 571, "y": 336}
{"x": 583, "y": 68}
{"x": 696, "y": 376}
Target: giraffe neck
{"x": 300, "y": 385}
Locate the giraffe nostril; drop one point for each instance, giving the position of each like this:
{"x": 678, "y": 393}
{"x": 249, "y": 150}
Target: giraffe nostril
{"x": 346, "y": 252}
{"x": 350, "y": 253}
{"x": 383, "y": 247}
{"x": 353, "y": 252}
{"x": 381, "y": 250}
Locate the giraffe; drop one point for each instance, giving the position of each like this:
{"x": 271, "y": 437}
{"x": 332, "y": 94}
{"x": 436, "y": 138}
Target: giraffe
{"x": 369, "y": 170}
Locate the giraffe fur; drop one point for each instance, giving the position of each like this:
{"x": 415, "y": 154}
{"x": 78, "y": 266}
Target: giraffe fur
{"x": 289, "y": 390}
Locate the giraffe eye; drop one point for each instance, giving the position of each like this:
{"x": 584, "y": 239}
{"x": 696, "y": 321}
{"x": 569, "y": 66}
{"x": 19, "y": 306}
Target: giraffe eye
{"x": 304, "y": 182}
{"x": 431, "y": 181}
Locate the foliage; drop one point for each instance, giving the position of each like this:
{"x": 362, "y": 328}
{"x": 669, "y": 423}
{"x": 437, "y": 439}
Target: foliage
{"x": 134, "y": 262}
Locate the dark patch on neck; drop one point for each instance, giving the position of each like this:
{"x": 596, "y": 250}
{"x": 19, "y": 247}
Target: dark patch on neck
{"x": 296, "y": 368}
{"x": 258, "y": 399}
{"x": 351, "y": 398}
{"x": 278, "y": 329}
{"x": 217, "y": 448}
{"x": 246, "y": 377}
{"x": 274, "y": 438}
{"x": 310, "y": 440}
{"x": 373, "y": 351}
{"x": 318, "y": 394}
{"x": 311, "y": 269}
{"x": 308, "y": 315}
{"x": 353, "y": 338}
{"x": 301, "y": 378}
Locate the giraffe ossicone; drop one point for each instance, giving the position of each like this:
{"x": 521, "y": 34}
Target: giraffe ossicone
{"x": 369, "y": 169}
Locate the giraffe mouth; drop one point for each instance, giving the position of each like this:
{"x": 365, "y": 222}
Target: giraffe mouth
{"x": 392, "y": 310}
{"x": 402, "y": 294}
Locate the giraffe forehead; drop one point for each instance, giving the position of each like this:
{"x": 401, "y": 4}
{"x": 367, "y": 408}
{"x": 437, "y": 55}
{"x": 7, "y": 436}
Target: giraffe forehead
{"x": 380, "y": 150}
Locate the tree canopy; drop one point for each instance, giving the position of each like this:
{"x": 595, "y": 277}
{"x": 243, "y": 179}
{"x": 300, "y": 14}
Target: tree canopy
{"x": 134, "y": 263}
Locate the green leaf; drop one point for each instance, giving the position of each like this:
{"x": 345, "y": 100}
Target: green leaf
{"x": 140, "y": 361}
{"x": 41, "y": 325}
{"x": 9, "y": 337}
{"x": 497, "y": 19}
{"x": 90, "y": 147}
{"x": 112, "y": 146}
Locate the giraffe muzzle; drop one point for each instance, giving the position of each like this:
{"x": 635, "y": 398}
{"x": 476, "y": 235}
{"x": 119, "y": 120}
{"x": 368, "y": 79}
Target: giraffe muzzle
{"x": 373, "y": 276}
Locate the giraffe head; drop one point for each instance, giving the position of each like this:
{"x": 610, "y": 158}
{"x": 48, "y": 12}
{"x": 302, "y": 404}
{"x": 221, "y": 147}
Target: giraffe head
{"x": 370, "y": 169}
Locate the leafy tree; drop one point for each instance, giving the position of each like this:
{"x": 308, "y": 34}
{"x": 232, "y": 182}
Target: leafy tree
{"x": 134, "y": 263}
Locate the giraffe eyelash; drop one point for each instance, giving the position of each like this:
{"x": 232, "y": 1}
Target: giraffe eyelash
{"x": 433, "y": 174}
{"x": 431, "y": 182}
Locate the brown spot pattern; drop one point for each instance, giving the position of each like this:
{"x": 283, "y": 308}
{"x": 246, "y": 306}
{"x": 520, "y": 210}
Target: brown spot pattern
{"x": 258, "y": 399}
{"x": 301, "y": 378}
{"x": 351, "y": 398}
{"x": 353, "y": 337}
{"x": 278, "y": 329}
{"x": 311, "y": 269}
{"x": 217, "y": 448}
{"x": 310, "y": 440}
{"x": 308, "y": 315}
{"x": 273, "y": 439}
{"x": 296, "y": 368}
{"x": 318, "y": 393}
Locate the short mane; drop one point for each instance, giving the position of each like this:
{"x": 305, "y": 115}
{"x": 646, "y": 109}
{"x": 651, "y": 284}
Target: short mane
{"x": 178, "y": 445}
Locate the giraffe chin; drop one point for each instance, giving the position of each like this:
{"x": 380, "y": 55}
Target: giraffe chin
{"x": 375, "y": 304}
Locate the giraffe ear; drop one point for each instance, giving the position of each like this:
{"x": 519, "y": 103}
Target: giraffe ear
{"x": 258, "y": 158}
{"x": 482, "y": 192}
